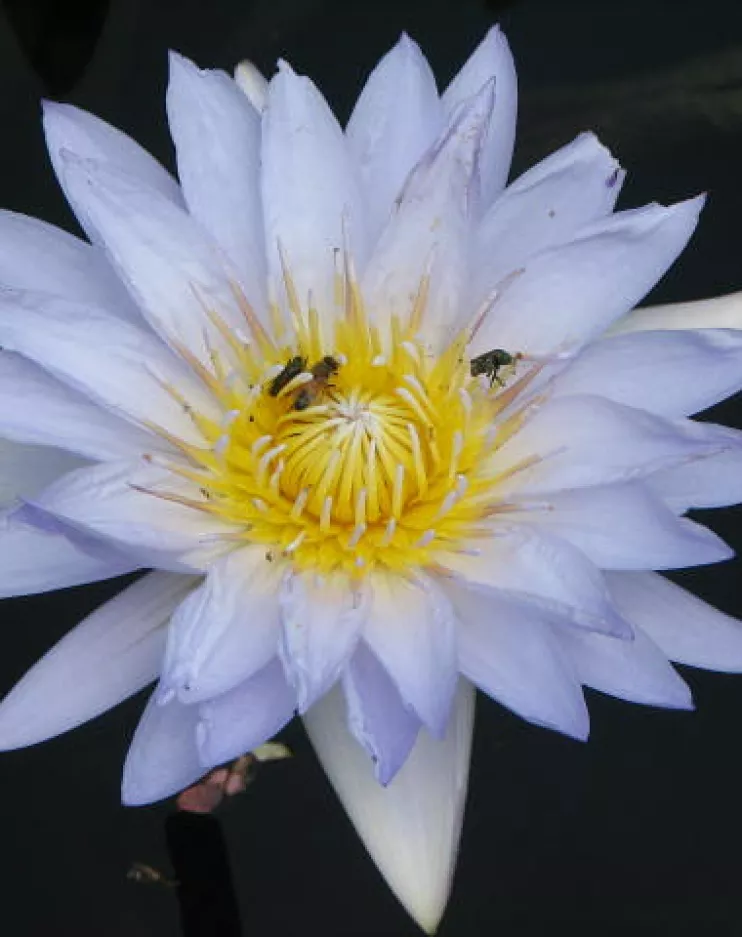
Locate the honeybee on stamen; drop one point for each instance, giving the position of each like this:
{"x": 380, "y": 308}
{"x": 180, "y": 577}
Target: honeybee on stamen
{"x": 321, "y": 373}
{"x": 294, "y": 366}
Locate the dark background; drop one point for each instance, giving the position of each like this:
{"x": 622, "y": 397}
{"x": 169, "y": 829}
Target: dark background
{"x": 636, "y": 833}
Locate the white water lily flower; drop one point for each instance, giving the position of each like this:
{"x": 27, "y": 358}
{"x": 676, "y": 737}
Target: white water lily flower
{"x": 354, "y": 403}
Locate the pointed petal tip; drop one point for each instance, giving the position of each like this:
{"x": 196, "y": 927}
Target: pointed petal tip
{"x": 411, "y": 827}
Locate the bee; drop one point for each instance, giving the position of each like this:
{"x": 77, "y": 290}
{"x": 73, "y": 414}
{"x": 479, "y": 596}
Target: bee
{"x": 490, "y": 363}
{"x": 293, "y": 367}
{"x": 321, "y": 372}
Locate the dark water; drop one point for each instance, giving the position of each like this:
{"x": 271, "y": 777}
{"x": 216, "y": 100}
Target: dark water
{"x": 635, "y": 833}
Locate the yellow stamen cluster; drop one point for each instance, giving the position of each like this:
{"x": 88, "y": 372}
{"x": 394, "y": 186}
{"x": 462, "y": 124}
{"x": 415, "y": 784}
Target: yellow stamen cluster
{"x": 384, "y": 462}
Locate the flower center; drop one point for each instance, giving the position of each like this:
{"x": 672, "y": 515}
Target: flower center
{"x": 357, "y": 450}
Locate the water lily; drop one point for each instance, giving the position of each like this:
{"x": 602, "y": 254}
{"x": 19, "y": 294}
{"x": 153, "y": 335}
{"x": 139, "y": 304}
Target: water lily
{"x": 359, "y": 408}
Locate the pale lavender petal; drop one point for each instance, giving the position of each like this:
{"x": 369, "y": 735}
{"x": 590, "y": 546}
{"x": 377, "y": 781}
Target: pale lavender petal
{"x": 636, "y": 670}
{"x": 175, "y": 272}
{"x": 490, "y": 61}
{"x": 163, "y": 758}
{"x": 243, "y": 718}
{"x": 37, "y": 256}
{"x": 69, "y": 129}
{"x": 38, "y": 409}
{"x": 135, "y": 506}
{"x": 685, "y": 628}
{"x": 625, "y": 526}
{"x": 226, "y": 630}
{"x": 588, "y": 440}
{"x": 377, "y": 716}
{"x": 429, "y": 233}
{"x": 571, "y": 293}
{"x": 671, "y": 373}
{"x": 396, "y": 119}
{"x": 110, "y": 655}
{"x": 534, "y": 566}
{"x": 508, "y": 649}
{"x": 547, "y": 205}
{"x": 420, "y": 657}
{"x": 40, "y": 560}
{"x": 27, "y": 469}
{"x": 321, "y": 622}
{"x": 713, "y": 480}
{"x": 119, "y": 365}
{"x": 310, "y": 190}
{"x": 216, "y": 132}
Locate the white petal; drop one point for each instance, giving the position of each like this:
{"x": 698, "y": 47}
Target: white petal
{"x": 547, "y": 205}
{"x": 535, "y": 566}
{"x": 309, "y": 189}
{"x": 571, "y": 293}
{"x": 396, "y": 119}
{"x": 163, "y": 758}
{"x": 583, "y": 441}
{"x": 669, "y": 373}
{"x": 321, "y": 622}
{"x": 428, "y": 234}
{"x": 248, "y": 715}
{"x": 216, "y": 132}
{"x": 721, "y": 312}
{"x": 252, "y": 84}
{"x": 625, "y": 526}
{"x": 492, "y": 59}
{"x": 38, "y": 256}
{"x": 40, "y": 560}
{"x": 36, "y": 408}
{"x": 411, "y": 827}
{"x": 377, "y": 716}
{"x": 119, "y": 365}
{"x": 172, "y": 268}
{"x": 509, "y": 650}
{"x": 684, "y": 627}
{"x": 119, "y": 502}
{"x": 69, "y": 129}
{"x": 110, "y": 655}
{"x": 632, "y": 670}
{"x": 25, "y": 470}
{"x": 411, "y": 628}
{"x": 225, "y": 631}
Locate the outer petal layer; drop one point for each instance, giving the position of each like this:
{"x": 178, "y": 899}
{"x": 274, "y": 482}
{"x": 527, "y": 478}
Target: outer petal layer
{"x": 396, "y": 119}
{"x": 636, "y": 670}
{"x": 227, "y": 630}
{"x": 377, "y": 715}
{"x": 163, "y": 758}
{"x": 491, "y": 61}
{"x": 545, "y": 206}
{"x": 69, "y": 129}
{"x": 217, "y": 138}
{"x": 40, "y": 560}
{"x": 321, "y": 625}
{"x": 670, "y": 373}
{"x": 721, "y": 312}
{"x": 507, "y": 649}
{"x": 567, "y": 295}
{"x": 243, "y": 718}
{"x": 411, "y": 628}
{"x": 683, "y": 626}
{"x": 411, "y": 827}
{"x": 309, "y": 189}
{"x": 110, "y": 655}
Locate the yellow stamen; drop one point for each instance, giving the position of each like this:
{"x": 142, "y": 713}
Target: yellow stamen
{"x": 377, "y": 454}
